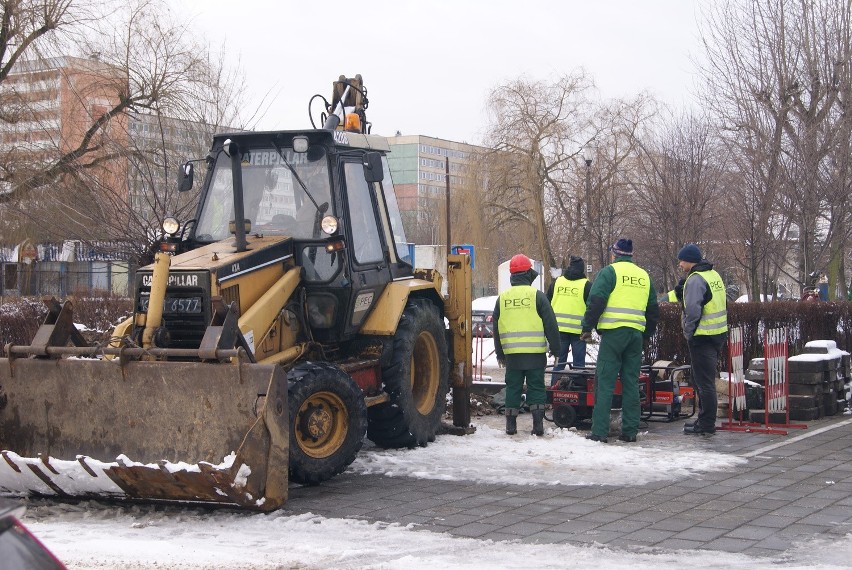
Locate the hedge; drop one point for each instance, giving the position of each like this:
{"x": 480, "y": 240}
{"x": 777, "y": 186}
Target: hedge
{"x": 806, "y": 321}
{"x": 20, "y": 317}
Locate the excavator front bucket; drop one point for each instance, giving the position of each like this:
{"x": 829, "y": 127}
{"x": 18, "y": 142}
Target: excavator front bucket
{"x": 150, "y": 430}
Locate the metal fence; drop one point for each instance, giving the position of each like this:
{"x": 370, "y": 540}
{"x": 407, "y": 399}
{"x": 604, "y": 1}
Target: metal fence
{"x": 63, "y": 278}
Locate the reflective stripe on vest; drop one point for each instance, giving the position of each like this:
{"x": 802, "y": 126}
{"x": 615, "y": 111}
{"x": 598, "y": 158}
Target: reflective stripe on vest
{"x": 568, "y": 304}
{"x": 519, "y": 326}
{"x": 629, "y": 299}
{"x": 714, "y": 315}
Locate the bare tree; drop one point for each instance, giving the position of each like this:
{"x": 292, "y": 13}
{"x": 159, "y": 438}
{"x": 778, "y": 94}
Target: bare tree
{"x": 610, "y": 202}
{"x": 774, "y": 76}
{"x": 537, "y": 130}
{"x": 149, "y": 97}
{"x": 676, "y": 187}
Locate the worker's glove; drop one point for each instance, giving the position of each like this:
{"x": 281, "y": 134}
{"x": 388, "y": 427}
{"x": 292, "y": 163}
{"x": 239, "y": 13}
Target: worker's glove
{"x": 501, "y": 363}
{"x": 586, "y": 336}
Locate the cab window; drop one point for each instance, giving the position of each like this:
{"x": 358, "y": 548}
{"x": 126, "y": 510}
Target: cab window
{"x": 366, "y": 246}
{"x": 400, "y": 243}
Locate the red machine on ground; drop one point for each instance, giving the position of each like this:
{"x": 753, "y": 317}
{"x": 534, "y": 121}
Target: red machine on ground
{"x": 665, "y": 392}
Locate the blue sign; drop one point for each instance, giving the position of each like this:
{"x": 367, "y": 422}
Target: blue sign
{"x": 464, "y": 249}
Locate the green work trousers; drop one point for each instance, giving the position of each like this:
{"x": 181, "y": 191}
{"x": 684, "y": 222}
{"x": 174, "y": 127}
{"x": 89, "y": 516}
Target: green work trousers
{"x": 620, "y": 354}
{"x": 515, "y": 385}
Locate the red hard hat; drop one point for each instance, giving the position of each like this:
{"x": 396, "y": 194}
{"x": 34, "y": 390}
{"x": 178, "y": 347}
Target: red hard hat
{"x": 519, "y": 263}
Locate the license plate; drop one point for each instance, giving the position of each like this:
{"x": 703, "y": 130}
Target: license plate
{"x": 175, "y": 305}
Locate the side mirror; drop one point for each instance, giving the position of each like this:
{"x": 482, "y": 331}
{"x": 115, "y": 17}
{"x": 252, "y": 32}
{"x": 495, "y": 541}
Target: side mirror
{"x": 373, "y": 171}
{"x": 186, "y": 173}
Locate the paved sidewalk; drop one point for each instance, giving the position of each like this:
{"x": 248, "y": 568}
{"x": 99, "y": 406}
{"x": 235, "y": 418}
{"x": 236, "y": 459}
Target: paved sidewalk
{"x": 794, "y": 487}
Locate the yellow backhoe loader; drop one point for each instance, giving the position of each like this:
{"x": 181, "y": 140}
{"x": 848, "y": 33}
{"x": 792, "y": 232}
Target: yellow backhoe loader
{"x": 271, "y": 334}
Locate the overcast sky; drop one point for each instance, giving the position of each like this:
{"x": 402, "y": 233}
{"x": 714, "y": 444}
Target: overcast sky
{"x": 429, "y": 66}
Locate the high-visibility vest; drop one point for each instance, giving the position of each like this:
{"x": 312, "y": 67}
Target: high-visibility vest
{"x": 519, "y": 326}
{"x": 629, "y": 299}
{"x": 568, "y": 304}
{"x": 672, "y": 296}
{"x": 714, "y": 315}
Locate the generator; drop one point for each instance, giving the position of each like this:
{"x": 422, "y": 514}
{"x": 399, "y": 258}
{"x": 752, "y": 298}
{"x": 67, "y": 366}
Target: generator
{"x": 665, "y": 394}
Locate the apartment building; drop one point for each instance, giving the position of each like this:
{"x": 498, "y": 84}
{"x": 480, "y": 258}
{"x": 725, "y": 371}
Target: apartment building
{"x": 174, "y": 141}
{"x": 48, "y": 105}
{"x": 418, "y": 166}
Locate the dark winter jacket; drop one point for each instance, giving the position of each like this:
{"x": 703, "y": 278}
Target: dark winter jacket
{"x": 573, "y": 272}
{"x": 529, "y": 360}
{"x": 599, "y": 295}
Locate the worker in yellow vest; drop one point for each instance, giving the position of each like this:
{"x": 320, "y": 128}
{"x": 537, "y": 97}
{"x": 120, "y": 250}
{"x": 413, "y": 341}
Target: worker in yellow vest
{"x": 525, "y": 328}
{"x": 673, "y": 296}
{"x": 568, "y": 296}
{"x": 705, "y": 327}
{"x": 623, "y": 308}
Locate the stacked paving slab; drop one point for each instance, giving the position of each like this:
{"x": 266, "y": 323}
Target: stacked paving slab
{"x": 819, "y": 378}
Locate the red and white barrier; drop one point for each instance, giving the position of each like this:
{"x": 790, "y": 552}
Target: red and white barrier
{"x": 776, "y": 384}
{"x": 736, "y": 380}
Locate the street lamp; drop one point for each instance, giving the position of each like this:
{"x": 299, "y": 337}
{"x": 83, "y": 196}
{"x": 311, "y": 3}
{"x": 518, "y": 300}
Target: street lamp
{"x": 588, "y": 153}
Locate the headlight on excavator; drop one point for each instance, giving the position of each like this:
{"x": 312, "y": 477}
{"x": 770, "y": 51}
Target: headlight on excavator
{"x": 170, "y": 226}
{"x": 329, "y": 225}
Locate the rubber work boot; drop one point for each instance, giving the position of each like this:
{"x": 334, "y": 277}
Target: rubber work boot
{"x": 511, "y": 421}
{"x": 538, "y": 419}
{"x": 593, "y": 437}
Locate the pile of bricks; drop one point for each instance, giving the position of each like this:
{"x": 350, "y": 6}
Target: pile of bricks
{"x": 819, "y": 382}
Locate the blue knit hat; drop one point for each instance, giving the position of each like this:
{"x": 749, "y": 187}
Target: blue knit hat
{"x": 622, "y": 247}
{"x": 690, "y": 253}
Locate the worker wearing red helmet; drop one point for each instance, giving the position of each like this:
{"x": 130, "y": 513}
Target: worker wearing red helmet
{"x": 526, "y": 331}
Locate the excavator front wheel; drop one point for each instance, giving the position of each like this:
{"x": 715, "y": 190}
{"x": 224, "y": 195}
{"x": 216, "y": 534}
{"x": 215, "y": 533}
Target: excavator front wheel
{"x": 320, "y": 424}
{"x": 328, "y": 420}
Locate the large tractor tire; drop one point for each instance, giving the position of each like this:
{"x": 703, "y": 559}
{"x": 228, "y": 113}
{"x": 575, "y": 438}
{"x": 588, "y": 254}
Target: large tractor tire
{"x": 416, "y": 378}
{"x": 328, "y": 420}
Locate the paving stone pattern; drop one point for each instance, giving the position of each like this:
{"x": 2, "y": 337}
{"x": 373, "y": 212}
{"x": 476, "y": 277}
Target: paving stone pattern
{"x": 794, "y": 487}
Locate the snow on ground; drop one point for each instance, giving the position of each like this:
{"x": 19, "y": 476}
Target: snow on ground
{"x": 93, "y": 536}
{"x": 561, "y": 457}
{"x": 105, "y": 537}
{"x": 99, "y": 537}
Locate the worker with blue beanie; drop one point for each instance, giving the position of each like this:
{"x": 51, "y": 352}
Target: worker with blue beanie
{"x": 705, "y": 327}
{"x": 623, "y": 308}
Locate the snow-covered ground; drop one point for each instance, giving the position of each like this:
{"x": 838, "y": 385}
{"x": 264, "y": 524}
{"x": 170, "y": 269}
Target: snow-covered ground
{"x": 97, "y": 536}
{"x": 104, "y": 537}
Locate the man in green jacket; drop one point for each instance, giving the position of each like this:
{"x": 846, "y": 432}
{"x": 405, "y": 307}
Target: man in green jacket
{"x": 623, "y": 308}
{"x": 524, "y": 328}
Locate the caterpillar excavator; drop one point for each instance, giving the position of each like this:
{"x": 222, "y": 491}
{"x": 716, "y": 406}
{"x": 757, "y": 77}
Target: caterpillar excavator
{"x": 271, "y": 333}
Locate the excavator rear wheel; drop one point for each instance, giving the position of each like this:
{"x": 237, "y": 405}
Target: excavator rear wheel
{"x": 416, "y": 378}
{"x": 328, "y": 419}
